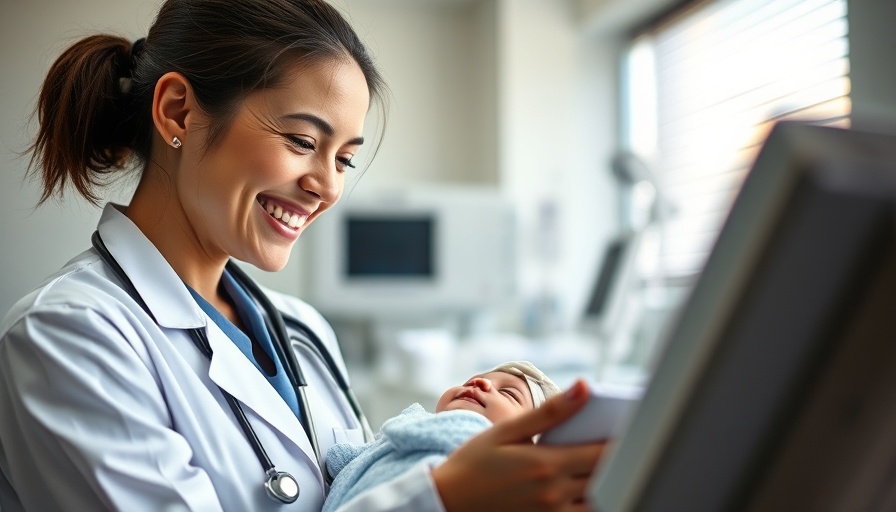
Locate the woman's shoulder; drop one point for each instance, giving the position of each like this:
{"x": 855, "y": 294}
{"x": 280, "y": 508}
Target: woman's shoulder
{"x": 81, "y": 284}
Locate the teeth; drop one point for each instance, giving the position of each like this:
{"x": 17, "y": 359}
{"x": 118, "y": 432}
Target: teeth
{"x": 293, "y": 220}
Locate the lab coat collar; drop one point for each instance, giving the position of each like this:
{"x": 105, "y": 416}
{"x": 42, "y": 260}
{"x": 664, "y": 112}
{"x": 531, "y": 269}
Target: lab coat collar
{"x": 171, "y": 304}
{"x": 234, "y": 373}
{"x": 165, "y": 295}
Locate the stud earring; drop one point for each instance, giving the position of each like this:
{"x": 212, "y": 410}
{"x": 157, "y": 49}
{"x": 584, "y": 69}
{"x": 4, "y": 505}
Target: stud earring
{"x": 175, "y": 142}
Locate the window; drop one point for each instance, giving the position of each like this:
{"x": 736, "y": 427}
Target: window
{"x": 704, "y": 86}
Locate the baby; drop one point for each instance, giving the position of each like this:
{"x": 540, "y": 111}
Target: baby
{"x": 416, "y": 436}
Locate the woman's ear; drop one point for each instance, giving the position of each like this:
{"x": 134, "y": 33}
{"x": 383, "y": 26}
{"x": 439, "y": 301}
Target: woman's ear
{"x": 172, "y": 104}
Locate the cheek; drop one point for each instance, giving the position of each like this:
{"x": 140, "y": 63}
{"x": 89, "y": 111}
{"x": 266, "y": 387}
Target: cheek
{"x": 249, "y": 154}
{"x": 267, "y": 165}
{"x": 445, "y": 399}
{"x": 504, "y": 412}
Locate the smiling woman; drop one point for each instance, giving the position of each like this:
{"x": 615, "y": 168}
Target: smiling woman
{"x": 278, "y": 166}
{"x": 150, "y": 373}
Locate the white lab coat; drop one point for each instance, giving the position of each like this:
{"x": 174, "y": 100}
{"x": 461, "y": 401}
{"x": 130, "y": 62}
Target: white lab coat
{"x": 104, "y": 407}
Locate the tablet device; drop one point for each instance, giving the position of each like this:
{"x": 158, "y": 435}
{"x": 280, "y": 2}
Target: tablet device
{"x": 602, "y": 418}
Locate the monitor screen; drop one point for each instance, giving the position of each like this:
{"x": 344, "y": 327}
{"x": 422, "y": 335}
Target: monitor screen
{"x": 609, "y": 275}
{"x": 389, "y": 247}
{"x": 775, "y": 386}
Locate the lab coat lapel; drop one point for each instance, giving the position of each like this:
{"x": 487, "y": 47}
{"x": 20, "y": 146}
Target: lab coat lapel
{"x": 232, "y": 371}
{"x": 167, "y": 298}
{"x": 171, "y": 305}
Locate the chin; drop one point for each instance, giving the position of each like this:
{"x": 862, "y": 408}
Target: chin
{"x": 270, "y": 262}
{"x": 273, "y": 266}
{"x": 460, "y": 405}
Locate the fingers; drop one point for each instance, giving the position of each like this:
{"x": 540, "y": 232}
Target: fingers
{"x": 484, "y": 476}
{"x": 580, "y": 459}
{"x": 553, "y": 412}
{"x": 580, "y": 488}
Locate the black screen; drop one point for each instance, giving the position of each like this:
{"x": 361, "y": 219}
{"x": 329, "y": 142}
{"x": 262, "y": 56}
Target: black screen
{"x": 390, "y": 247}
{"x": 607, "y": 277}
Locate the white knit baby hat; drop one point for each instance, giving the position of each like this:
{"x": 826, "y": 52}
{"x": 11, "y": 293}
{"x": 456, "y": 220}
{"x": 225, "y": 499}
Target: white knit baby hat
{"x": 540, "y": 386}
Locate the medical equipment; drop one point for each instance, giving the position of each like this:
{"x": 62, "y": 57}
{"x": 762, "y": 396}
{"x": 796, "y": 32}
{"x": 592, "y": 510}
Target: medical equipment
{"x": 414, "y": 251}
{"x": 775, "y": 384}
{"x": 280, "y": 486}
{"x": 603, "y": 417}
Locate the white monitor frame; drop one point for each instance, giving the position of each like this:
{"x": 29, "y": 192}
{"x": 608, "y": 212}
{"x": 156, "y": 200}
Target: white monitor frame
{"x": 474, "y": 254}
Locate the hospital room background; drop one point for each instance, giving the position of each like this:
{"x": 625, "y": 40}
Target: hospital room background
{"x": 550, "y": 181}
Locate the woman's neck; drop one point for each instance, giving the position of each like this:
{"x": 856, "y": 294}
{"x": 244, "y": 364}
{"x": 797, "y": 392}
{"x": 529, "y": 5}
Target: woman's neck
{"x": 158, "y": 213}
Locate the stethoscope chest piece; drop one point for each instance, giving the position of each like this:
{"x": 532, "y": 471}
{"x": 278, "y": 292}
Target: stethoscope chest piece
{"x": 282, "y": 486}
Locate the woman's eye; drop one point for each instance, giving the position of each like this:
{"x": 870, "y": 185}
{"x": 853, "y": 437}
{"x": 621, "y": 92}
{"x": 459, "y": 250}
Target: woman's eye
{"x": 345, "y": 162}
{"x": 300, "y": 143}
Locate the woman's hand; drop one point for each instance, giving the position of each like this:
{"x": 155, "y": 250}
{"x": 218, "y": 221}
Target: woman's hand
{"x": 501, "y": 469}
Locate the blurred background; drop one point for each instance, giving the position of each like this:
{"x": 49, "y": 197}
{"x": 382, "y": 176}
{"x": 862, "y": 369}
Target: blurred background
{"x": 552, "y": 175}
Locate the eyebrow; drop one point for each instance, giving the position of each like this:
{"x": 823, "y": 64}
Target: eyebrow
{"x": 321, "y": 125}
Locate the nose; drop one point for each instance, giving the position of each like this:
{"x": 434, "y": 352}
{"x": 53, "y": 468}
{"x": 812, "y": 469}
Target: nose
{"x": 324, "y": 183}
{"x": 481, "y": 383}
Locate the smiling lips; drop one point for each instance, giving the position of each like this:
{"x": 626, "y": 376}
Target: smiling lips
{"x": 292, "y": 220}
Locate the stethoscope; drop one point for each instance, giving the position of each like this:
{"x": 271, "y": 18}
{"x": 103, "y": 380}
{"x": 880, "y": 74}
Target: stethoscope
{"x": 280, "y": 485}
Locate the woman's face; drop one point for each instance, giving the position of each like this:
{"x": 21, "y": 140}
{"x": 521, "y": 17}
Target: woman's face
{"x": 281, "y": 163}
{"x": 496, "y": 395}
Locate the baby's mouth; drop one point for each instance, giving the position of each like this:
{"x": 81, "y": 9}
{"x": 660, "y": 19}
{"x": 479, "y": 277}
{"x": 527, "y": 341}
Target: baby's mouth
{"x": 470, "y": 397}
{"x": 290, "y": 219}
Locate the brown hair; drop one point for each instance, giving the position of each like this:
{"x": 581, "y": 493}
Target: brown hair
{"x": 94, "y": 108}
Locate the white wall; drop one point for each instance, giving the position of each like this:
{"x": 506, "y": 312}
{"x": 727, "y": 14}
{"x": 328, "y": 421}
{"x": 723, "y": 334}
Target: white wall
{"x": 437, "y": 59}
{"x": 557, "y": 133}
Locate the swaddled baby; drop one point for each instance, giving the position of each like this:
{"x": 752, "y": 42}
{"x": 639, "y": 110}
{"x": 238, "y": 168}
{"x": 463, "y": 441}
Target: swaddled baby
{"x": 419, "y": 437}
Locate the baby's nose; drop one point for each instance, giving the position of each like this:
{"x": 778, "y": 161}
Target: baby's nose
{"x": 481, "y": 383}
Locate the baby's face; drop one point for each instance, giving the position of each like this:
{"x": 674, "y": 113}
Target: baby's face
{"x": 496, "y": 395}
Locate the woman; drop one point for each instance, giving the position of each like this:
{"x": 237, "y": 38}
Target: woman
{"x": 145, "y": 374}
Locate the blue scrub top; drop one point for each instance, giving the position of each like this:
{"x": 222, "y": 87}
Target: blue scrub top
{"x": 254, "y": 322}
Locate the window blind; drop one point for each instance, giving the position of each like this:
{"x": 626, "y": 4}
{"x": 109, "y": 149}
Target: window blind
{"x": 706, "y": 85}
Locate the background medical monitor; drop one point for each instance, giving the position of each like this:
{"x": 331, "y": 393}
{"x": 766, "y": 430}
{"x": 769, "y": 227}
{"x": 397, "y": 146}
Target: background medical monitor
{"x": 414, "y": 251}
{"x": 776, "y": 387}
{"x": 395, "y": 247}
{"x": 609, "y": 275}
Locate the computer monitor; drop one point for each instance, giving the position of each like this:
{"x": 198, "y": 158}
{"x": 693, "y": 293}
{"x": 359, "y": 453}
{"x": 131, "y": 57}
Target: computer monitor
{"x": 417, "y": 250}
{"x": 610, "y": 275}
{"x": 613, "y": 312}
{"x": 776, "y": 385}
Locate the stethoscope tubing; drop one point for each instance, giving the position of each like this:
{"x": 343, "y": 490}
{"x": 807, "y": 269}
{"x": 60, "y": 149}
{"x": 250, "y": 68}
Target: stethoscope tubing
{"x": 199, "y": 339}
{"x": 317, "y": 346}
{"x": 284, "y": 352}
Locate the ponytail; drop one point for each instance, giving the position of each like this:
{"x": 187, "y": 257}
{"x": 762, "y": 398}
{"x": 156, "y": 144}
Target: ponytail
{"x": 87, "y": 126}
